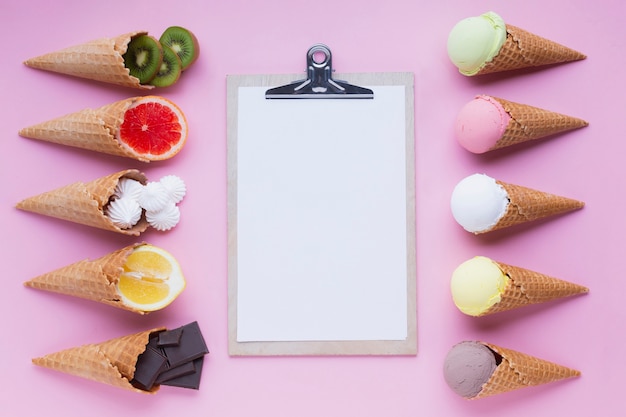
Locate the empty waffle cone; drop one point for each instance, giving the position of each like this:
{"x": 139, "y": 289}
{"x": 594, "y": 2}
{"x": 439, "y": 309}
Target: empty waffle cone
{"x": 523, "y": 49}
{"x": 526, "y": 205}
{"x": 85, "y": 203}
{"x": 526, "y": 287}
{"x": 519, "y": 370}
{"x": 94, "y": 280}
{"x": 530, "y": 123}
{"x": 112, "y": 362}
{"x": 100, "y": 60}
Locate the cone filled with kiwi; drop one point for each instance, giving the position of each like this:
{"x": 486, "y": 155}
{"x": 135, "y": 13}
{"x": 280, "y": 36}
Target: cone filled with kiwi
{"x": 134, "y": 59}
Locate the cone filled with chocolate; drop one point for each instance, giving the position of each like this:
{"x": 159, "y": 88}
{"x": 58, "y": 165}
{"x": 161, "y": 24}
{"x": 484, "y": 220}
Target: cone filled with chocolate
{"x": 481, "y": 286}
{"x": 140, "y": 278}
{"x": 148, "y": 128}
{"x": 476, "y": 369}
{"x": 139, "y": 362}
{"x": 111, "y": 362}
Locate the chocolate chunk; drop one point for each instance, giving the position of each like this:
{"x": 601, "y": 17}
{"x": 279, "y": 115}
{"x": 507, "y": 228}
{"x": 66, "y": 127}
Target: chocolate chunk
{"x": 170, "y": 337}
{"x": 192, "y": 380}
{"x": 149, "y": 365}
{"x": 170, "y": 373}
{"x": 191, "y": 346}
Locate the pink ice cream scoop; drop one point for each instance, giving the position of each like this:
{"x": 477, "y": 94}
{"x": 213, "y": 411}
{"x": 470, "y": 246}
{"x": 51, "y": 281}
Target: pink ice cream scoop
{"x": 480, "y": 124}
{"x": 487, "y": 123}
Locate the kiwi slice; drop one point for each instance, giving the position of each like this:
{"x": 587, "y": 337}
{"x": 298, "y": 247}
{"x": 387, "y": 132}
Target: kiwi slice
{"x": 143, "y": 57}
{"x": 183, "y": 42}
{"x": 170, "y": 69}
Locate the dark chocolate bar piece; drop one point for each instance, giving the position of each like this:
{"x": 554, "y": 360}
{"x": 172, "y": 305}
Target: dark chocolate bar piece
{"x": 191, "y": 346}
{"x": 192, "y": 380}
{"x": 170, "y": 337}
{"x": 181, "y": 370}
{"x": 149, "y": 365}
{"x": 172, "y": 357}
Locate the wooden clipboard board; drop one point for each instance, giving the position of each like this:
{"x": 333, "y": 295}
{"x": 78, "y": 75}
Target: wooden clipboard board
{"x": 263, "y": 326}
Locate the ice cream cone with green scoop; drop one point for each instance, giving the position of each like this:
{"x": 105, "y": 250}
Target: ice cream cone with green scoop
{"x": 486, "y": 44}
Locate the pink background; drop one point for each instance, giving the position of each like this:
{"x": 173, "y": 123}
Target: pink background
{"x": 239, "y": 37}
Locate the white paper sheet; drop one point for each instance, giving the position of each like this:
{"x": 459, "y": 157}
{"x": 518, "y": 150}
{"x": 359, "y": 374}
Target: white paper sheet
{"x": 321, "y": 218}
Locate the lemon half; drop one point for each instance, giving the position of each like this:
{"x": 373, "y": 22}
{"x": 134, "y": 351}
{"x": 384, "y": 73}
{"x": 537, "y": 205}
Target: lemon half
{"x": 151, "y": 280}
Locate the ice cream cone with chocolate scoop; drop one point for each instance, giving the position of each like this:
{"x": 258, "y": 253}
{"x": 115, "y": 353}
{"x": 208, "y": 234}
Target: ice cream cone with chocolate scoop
{"x": 481, "y": 286}
{"x": 149, "y": 128}
{"x": 488, "y": 123}
{"x": 86, "y": 203}
{"x": 111, "y": 362}
{"x": 482, "y": 204}
{"x": 140, "y": 278}
{"x": 475, "y": 369}
{"x": 486, "y": 44}
{"x": 100, "y": 59}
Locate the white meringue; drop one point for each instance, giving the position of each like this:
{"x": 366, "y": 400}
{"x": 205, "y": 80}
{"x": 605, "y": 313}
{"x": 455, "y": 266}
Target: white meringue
{"x": 154, "y": 197}
{"x": 175, "y": 187}
{"x": 128, "y": 187}
{"x": 165, "y": 218}
{"x": 124, "y": 212}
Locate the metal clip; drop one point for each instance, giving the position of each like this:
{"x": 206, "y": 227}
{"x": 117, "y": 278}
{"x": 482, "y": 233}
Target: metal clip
{"x": 319, "y": 83}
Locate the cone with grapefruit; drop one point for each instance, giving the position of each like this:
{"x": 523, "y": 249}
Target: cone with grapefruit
{"x": 140, "y": 278}
{"x": 149, "y": 128}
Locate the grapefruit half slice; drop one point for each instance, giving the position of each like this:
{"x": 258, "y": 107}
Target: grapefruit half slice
{"x": 154, "y": 128}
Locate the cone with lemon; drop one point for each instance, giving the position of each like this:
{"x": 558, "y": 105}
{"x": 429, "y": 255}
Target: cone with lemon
{"x": 149, "y": 128}
{"x": 140, "y": 278}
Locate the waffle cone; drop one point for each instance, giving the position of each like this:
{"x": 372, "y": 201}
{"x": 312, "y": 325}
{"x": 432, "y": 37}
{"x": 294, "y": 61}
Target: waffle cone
{"x": 526, "y": 287}
{"x": 111, "y": 362}
{"x": 89, "y": 279}
{"x": 530, "y": 123}
{"x": 519, "y": 370}
{"x": 84, "y": 203}
{"x": 100, "y": 60}
{"x": 95, "y": 130}
{"x": 523, "y": 49}
{"x": 527, "y": 204}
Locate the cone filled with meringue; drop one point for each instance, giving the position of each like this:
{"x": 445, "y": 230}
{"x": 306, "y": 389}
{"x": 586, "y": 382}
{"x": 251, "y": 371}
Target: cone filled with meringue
{"x": 124, "y": 202}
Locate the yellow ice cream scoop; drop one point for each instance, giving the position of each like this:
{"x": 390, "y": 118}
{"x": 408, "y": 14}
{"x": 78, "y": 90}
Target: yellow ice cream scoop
{"x": 477, "y": 284}
{"x": 482, "y": 286}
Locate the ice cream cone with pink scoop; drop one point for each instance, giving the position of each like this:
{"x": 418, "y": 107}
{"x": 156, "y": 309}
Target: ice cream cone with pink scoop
{"x": 487, "y": 123}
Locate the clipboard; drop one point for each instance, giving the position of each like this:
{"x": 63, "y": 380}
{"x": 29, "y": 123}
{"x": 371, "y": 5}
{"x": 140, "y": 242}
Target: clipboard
{"x": 321, "y": 212}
